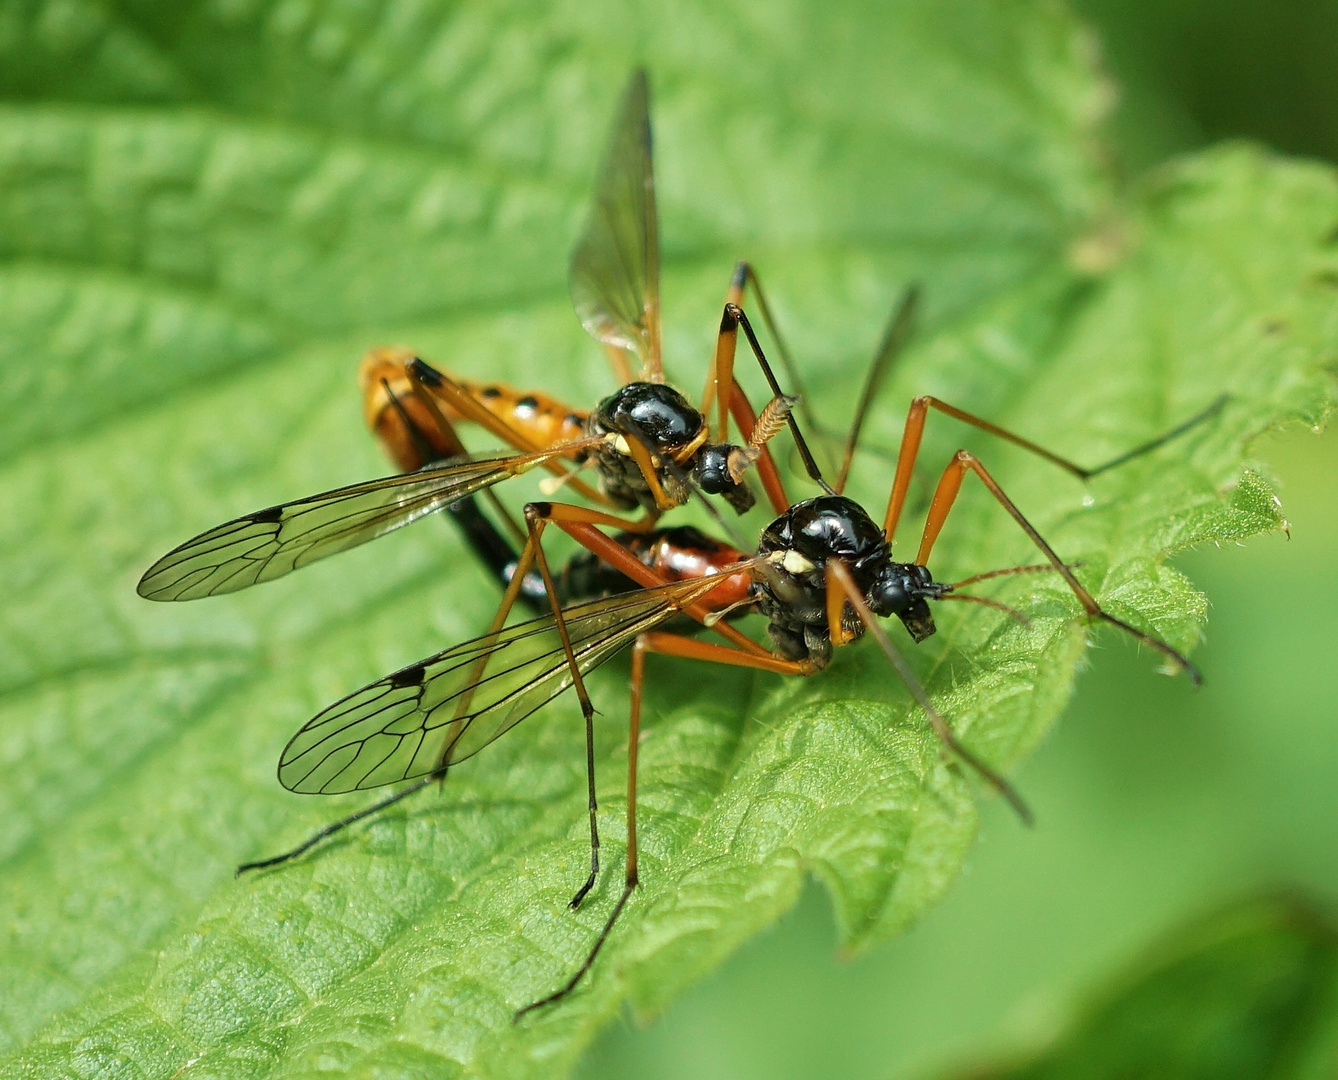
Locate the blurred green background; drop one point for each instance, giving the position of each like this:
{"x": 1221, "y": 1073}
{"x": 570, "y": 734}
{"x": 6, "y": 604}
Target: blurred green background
{"x": 1155, "y": 803}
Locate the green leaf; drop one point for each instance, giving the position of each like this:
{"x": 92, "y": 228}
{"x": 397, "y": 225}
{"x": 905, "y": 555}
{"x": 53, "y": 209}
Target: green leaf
{"x": 201, "y": 233}
{"x": 1249, "y": 992}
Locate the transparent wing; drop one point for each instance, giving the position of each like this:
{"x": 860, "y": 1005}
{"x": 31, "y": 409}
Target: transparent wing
{"x": 450, "y": 706}
{"x": 615, "y": 268}
{"x": 272, "y": 542}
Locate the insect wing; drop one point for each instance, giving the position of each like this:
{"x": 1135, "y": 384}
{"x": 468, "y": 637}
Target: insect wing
{"x": 450, "y": 706}
{"x": 272, "y": 542}
{"x": 615, "y": 269}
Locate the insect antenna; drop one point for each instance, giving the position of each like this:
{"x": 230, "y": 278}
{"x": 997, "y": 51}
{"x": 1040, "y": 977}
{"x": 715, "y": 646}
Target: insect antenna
{"x": 1035, "y": 568}
{"x": 986, "y": 601}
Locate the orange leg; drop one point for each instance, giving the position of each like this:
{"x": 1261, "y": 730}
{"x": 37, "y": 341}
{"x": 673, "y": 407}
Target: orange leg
{"x": 666, "y": 644}
{"x": 915, "y": 425}
{"x": 746, "y": 419}
{"x": 429, "y": 383}
{"x": 945, "y": 495}
{"x": 721, "y": 375}
{"x": 736, "y": 402}
{"x": 537, "y": 516}
{"x": 580, "y": 523}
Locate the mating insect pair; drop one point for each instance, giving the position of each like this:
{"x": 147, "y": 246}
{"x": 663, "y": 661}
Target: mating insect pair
{"x": 822, "y": 573}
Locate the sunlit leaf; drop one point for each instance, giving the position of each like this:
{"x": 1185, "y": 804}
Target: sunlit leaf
{"x": 202, "y": 231}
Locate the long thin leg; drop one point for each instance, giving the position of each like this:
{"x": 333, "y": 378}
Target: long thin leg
{"x": 915, "y": 424}
{"x": 536, "y": 523}
{"x": 630, "y": 881}
{"x": 896, "y": 335}
{"x": 1162, "y": 439}
{"x": 894, "y": 339}
{"x": 945, "y": 495}
{"x": 532, "y": 551}
{"x": 579, "y": 522}
{"x": 842, "y": 587}
{"x": 666, "y": 644}
{"x": 343, "y": 823}
{"x": 537, "y": 515}
{"x": 745, "y": 276}
{"x": 810, "y": 465}
{"x": 723, "y": 389}
{"x": 721, "y": 376}
{"x": 429, "y": 383}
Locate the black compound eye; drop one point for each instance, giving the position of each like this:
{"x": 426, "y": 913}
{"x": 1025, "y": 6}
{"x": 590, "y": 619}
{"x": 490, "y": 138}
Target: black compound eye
{"x": 888, "y": 596}
{"x": 711, "y": 470}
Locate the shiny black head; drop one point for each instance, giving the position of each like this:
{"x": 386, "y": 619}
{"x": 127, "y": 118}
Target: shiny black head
{"x": 712, "y": 472}
{"x": 900, "y": 589}
{"x": 657, "y": 413}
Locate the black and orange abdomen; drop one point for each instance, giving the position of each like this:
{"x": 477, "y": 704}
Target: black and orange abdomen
{"x": 541, "y": 420}
{"x": 680, "y": 553}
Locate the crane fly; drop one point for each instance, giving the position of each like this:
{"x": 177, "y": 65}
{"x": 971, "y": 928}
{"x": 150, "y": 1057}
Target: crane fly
{"x": 822, "y": 575}
{"x": 647, "y": 444}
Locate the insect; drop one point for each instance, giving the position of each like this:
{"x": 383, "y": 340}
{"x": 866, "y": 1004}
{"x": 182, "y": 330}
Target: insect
{"x": 822, "y": 575}
{"x": 412, "y": 436}
{"x": 648, "y": 445}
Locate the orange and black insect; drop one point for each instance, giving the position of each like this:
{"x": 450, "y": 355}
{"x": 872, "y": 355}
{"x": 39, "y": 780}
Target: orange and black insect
{"x": 647, "y": 444}
{"x": 822, "y": 575}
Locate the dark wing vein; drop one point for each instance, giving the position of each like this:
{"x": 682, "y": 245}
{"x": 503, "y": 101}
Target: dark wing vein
{"x": 441, "y": 710}
{"x": 615, "y": 268}
{"x": 272, "y": 542}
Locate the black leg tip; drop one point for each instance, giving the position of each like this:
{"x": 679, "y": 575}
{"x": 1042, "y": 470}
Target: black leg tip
{"x": 533, "y": 1006}
{"x": 581, "y": 893}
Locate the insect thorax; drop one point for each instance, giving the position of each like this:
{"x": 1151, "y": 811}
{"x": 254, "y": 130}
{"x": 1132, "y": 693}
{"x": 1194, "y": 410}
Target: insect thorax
{"x": 660, "y": 418}
{"x": 791, "y": 588}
